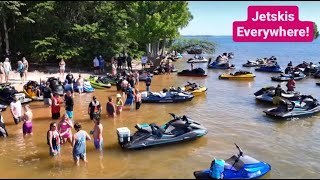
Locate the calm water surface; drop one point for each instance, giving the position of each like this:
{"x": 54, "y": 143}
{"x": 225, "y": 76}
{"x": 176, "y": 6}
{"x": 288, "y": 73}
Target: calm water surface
{"x": 229, "y": 111}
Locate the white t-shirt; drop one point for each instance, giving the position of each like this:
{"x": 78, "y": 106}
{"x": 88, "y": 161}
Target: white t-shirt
{"x": 7, "y": 66}
{"x": 95, "y": 62}
{"x": 16, "y": 108}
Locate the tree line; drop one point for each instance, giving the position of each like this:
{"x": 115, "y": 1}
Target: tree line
{"x": 76, "y": 31}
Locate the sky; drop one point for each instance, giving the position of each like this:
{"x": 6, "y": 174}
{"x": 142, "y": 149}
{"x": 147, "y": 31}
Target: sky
{"x": 216, "y": 17}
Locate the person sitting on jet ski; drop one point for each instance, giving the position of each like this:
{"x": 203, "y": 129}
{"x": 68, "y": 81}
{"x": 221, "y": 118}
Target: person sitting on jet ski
{"x": 277, "y": 94}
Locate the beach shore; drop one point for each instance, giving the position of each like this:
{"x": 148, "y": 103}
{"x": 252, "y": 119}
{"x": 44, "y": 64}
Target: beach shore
{"x": 37, "y": 75}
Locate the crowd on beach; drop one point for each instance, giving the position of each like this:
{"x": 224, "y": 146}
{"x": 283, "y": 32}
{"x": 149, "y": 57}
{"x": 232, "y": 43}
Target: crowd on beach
{"x": 60, "y": 132}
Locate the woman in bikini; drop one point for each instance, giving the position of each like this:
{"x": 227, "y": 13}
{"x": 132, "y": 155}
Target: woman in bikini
{"x": 64, "y": 128}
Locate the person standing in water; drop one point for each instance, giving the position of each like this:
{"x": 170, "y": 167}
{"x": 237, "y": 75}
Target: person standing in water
{"x": 53, "y": 140}
{"x": 97, "y": 134}
{"x": 69, "y": 104}
{"x": 27, "y": 121}
{"x": 16, "y": 110}
{"x": 110, "y": 108}
{"x": 291, "y": 84}
{"x": 80, "y": 84}
{"x": 94, "y": 108}
{"x": 64, "y": 128}
{"x": 55, "y": 107}
{"x": 119, "y": 104}
{"x": 130, "y": 97}
{"x": 138, "y": 99}
{"x": 79, "y": 144}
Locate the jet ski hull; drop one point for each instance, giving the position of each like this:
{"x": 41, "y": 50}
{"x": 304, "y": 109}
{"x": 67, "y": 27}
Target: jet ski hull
{"x": 296, "y": 112}
{"x": 269, "y": 69}
{"x": 287, "y": 77}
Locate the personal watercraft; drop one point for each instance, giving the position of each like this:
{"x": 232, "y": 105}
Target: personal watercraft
{"x": 266, "y": 94}
{"x": 307, "y": 106}
{"x": 56, "y": 86}
{"x": 179, "y": 129}
{"x": 166, "y": 96}
{"x": 286, "y": 77}
{"x": 238, "y": 166}
{"x": 8, "y": 93}
{"x": 198, "y": 72}
{"x": 221, "y": 65}
{"x": 86, "y": 87}
{"x": 98, "y": 82}
{"x": 195, "y": 89}
{"x": 32, "y": 90}
{"x": 239, "y": 75}
{"x": 268, "y": 68}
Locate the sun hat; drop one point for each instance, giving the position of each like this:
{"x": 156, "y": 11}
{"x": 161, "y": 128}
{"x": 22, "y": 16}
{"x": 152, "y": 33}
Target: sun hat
{"x": 118, "y": 95}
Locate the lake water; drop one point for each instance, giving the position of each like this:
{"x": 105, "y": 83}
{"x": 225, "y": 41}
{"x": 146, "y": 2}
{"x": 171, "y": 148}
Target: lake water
{"x": 229, "y": 111}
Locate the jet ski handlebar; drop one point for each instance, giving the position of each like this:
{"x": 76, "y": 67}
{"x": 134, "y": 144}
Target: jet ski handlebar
{"x": 240, "y": 150}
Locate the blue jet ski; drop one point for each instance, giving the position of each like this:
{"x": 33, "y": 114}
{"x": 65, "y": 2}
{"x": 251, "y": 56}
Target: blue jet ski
{"x": 286, "y": 77}
{"x": 307, "y": 106}
{"x": 86, "y": 87}
{"x": 221, "y": 65}
{"x": 239, "y": 166}
{"x": 272, "y": 69}
{"x": 166, "y": 96}
{"x": 179, "y": 129}
{"x": 266, "y": 94}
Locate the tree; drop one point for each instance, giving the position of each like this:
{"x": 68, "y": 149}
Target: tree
{"x": 184, "y": 44}
{"x": 315, "y": 31}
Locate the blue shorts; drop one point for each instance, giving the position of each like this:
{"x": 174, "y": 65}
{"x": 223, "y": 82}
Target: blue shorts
{"x": 98, "y": 144}
{"x": 129, "y": 101}
{"x": 56, "y": 150}
{"x": 69, "y": 114}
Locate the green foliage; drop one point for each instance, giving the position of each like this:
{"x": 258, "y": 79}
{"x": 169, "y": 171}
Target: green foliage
{"x": 315, "y": 31}
{"x": 79, "y": 30}
{"x": 184, "y": 44}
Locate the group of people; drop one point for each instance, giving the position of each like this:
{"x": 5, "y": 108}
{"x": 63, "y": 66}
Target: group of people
{"x": 99, "y": 65}
{"x": 5, "y": 69}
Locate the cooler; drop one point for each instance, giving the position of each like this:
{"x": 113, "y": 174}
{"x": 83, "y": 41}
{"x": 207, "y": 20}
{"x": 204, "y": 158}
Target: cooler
{"x": 123, "y": 135}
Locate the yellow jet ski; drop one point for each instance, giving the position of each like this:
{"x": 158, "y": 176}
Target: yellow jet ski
{"x": 239, "y": 75}
{"x": 195, "y": 89}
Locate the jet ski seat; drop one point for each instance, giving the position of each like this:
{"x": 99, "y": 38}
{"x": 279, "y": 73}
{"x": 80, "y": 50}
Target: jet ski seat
{"x": 143, "y": 128}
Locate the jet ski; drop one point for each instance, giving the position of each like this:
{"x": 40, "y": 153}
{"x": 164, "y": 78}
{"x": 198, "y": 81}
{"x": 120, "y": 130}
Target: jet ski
{"x": 165, "y": 96}
{"x": 160, "y": 70}
{"x": 272, "y": 69}
{"x": 266, "y": 94}
{"x": 221, "y": 65}
{"x": 195, "y": 89}
{"x": 286, "y": 77}
{"x": 197, "y": 59}
{"x": 318, "y": 84}
{"x": 307, "y": 106}
{"x": 8, "y": 93}
{"x": 256, "y": 63}
{"x": 86, "y": 87}
{"x": 198, "y": 72}
{"x": 56, "y": 86}
{"x": 179, "y": 129}
{"x": 30, "y": 89}
{"x": 238, "y": 166}
{"x": 98, "y": 82}
{"x": 239, "y": 75}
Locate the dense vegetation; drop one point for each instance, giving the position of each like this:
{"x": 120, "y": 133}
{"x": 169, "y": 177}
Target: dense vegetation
{"x": 45, "y": 31}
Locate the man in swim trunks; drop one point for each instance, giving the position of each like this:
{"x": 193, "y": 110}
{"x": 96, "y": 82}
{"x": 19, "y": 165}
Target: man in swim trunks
{"x": 97, "y": 134}
{"x": 79, "y": 144}
{"x": 69, "y": 104}
{"x": 16, "y": 110}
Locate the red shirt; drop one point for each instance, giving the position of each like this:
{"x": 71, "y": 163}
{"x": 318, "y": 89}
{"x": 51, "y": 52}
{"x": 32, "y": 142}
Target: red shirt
{"x": 54, "y": 108}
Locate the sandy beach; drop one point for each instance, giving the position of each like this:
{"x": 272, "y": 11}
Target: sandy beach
{"x": 14, "y": 77}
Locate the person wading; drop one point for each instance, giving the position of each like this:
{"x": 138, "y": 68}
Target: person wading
{"x": 94, "y": 108}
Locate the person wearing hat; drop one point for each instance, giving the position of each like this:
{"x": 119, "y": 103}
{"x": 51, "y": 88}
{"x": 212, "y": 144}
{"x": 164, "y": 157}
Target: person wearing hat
{"x": 119, "y": 104}
{"x": 16, "y": 110}
{"x": 94, "y": 108}
{"x": 291, "y": 84}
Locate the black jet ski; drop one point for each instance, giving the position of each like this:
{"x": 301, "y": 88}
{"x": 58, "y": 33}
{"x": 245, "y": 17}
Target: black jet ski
{"x": 56, "y": 86}
{"x": 266, "y": 94}
{"x": 8, "y": 93}
{"x": 307, "y": 106}
{"x": 198, "y": 72}
{"x": 147, "y": 135}
{"x": 298, "y": 75}
{"x": 166, "y": 96}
